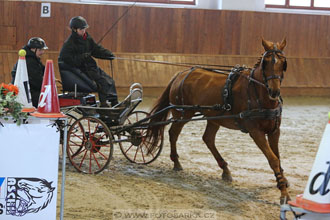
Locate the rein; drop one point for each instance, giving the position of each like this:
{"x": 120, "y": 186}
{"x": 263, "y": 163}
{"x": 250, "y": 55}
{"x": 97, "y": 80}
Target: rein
{"x": 238, "y": 70}
{"x": 175, "y": 64}
{"x": 217, "y": 70}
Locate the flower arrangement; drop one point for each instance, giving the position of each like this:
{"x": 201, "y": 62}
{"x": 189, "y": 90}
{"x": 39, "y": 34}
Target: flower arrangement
{"x": 9, "y": 107}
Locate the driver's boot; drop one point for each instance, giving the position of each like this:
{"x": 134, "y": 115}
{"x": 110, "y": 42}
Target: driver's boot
{"x": 103, "y": 104}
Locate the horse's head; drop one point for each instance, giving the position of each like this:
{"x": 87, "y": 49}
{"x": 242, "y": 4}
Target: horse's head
{"x": 273, "y": 64}
{"x": 35, "y": 187}
{"x": 34, "y": 194}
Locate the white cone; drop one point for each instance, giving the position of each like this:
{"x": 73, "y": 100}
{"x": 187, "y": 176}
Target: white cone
{"x": 316, "y": 197}
{"x": 318, "y": 187}
{"x": 22, "y": 83}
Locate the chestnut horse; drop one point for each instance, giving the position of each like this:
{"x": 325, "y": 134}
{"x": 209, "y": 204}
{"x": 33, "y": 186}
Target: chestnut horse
{"x": 253, "y": 106}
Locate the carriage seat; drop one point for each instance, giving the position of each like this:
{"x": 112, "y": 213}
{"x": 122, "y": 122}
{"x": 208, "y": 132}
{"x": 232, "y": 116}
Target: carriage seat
{"x": 76, "y": 86}
{"x": 74, "y": 80}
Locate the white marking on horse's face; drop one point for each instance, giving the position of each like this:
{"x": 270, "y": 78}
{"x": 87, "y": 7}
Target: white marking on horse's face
{"x": 276, "y": 60}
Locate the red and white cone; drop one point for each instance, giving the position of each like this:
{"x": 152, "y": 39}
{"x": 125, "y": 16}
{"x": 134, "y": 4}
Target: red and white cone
{"x": 316, "y": 196}
{"x": 22, "y": 83}
{"x": 48, "y": 106}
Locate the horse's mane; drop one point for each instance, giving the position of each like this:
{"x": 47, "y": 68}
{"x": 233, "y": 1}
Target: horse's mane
{"x": 44, "y": 205}
{"x": 258, "y": 62}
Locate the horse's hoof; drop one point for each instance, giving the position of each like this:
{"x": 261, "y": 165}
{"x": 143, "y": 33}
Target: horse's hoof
{"x": 287, "y": 184}
{"x": 284, "y": 200}
{"x": 177, "y": 168}
{"x": 227, "y": 177}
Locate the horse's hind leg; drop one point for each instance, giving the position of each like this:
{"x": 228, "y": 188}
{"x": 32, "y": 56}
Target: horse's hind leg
{"x": 174, "y": 133}
{"x": 209, "y": 139}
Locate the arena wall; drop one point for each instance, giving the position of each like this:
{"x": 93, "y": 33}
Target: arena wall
{"x": 175, "y": 35}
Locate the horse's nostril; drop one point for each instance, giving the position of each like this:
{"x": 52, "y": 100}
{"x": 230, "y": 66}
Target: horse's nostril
{"x": 274, "y": 93}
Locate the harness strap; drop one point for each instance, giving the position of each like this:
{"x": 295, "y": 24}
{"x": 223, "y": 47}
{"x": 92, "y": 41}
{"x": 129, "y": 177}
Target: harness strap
{"x": 181, "y": 87}
{"x": 181, "y": 84}
{"x": 255, "y": 91}
{"x": 248, "y": 91}
{"x": 267, "y": 114}
{"x": 227, "y": 89}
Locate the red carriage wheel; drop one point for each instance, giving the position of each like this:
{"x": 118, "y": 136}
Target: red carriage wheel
{"x": 90, "y": 145}
{"x": 136, "y": 150}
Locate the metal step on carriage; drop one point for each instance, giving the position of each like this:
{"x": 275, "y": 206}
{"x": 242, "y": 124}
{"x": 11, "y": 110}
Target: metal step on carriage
{"x": 93, "y": 131}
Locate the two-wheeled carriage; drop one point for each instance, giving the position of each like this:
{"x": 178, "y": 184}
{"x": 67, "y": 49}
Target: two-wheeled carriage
{"x": 93, "y": 131}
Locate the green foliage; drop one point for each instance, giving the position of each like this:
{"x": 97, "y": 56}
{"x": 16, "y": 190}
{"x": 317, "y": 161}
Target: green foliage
{"x": 9, "y": 107}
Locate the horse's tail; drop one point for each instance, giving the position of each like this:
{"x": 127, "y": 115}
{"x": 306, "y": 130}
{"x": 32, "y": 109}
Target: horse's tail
{"x": 155, "y": 133}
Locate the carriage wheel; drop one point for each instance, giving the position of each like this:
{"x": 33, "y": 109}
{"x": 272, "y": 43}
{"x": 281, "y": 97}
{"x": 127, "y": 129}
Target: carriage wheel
{"x": 136, "y": 150}
{"x": 90, "y": 145}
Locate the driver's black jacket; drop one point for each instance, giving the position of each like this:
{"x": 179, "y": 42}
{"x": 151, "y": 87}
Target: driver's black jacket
{"x": 75, "y": 52}
{"x": 78, "y": 52}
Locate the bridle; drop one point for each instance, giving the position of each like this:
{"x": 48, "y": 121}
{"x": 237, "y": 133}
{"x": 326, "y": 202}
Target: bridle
{"x": 253, "y": 81}
{"x": 272, "y": 52}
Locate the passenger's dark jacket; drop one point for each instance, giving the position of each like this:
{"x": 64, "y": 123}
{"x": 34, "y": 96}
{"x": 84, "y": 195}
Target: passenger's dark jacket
{"x": 75, "y": 48}
{"x": 35, "y": 73}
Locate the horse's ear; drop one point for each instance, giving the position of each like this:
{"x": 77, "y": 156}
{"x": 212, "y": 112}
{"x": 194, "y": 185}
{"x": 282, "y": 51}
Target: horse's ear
{"x": 282, "y": 44}
{"x": 267, "y": 44}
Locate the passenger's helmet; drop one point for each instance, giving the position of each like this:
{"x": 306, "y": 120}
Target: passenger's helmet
{"x": 37, "y": 42}
{"x": 78, "y": 22}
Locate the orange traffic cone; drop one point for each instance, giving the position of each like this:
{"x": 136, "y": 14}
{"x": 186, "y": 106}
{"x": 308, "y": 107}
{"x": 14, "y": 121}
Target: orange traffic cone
{"x": 316, "y": 197}
{"x": 22, "y": 83}
{"x": 48, "y": 106}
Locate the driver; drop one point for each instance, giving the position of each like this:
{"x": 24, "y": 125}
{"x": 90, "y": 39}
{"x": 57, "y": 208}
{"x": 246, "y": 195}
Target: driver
{"x": 78, "y": 52}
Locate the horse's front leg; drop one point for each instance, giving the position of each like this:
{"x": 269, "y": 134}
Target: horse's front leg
{"x": 259, "y": 138}
{"x": 209, "y": 139}
{"x": 273, "y": 140}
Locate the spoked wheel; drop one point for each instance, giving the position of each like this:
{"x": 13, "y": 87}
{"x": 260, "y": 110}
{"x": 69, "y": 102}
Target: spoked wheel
{"x": 90, "y": 145}
{"x": 136, "y": 149}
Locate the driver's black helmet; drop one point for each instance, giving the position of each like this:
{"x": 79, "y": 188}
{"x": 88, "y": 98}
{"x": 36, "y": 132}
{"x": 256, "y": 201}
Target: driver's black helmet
{"x": 78, "y": 22}
{"x": 37, "y": 42}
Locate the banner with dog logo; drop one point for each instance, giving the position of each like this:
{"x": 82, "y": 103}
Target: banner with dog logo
{"x": 28, "y": 170}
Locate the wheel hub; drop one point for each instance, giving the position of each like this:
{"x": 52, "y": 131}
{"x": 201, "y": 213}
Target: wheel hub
{"x": 88, "y": 145}
{"x": 136, "y": 139}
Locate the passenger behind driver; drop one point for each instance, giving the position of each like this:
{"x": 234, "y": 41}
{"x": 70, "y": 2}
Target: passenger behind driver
{"x": 35, "y": 48}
